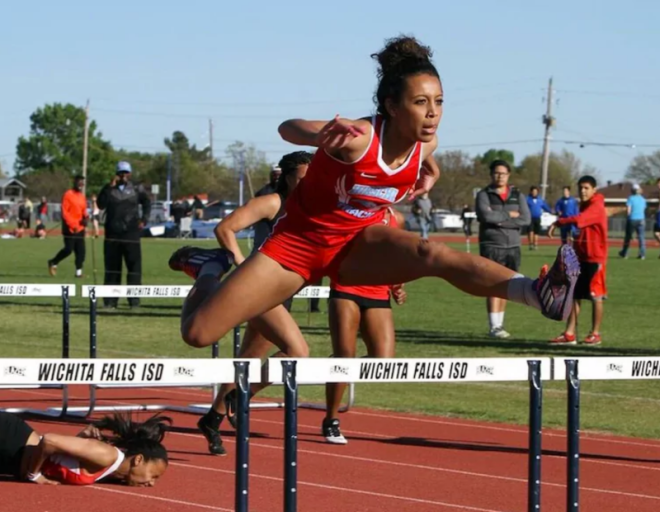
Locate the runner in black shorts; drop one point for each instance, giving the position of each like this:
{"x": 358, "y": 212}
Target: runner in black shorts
{"x": 363, "y": 303}
{"x": 262, "y": 212}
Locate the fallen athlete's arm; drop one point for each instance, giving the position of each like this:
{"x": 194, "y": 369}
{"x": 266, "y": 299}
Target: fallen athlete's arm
{"x": 259, "y": 208}
{"x": 88, "y": 451}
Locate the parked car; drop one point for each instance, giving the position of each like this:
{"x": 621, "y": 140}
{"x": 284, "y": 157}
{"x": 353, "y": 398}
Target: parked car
{"x": 219, "y": 210}
{"x": 160, "y": 212}
{"x": 440, "y": 220}
{"x": 547, "y": 220}
{"x": 444, "y": 219}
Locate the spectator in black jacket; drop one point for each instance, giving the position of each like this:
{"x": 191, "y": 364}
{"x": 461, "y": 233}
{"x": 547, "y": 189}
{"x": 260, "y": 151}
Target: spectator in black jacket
{"x": 502, "y": 212}
{"x": 121, "y": 201}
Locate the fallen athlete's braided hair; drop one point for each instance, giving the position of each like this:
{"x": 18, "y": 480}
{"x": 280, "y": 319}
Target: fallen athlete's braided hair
{"x": 136, "y": 438}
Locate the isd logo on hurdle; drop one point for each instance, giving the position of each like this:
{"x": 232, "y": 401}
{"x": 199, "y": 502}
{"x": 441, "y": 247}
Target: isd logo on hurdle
{"x": 616, "y": 368}
{"x": 482, "y": 369}
{"x": 15, "y": 370}
{"x": 100, "y": 372}
{"x": 183, "y": 371}
{"x": 417, "y": 371}
{"x": 338, "y": 370}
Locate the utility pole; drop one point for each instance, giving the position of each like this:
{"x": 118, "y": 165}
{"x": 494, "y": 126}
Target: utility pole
{"x": 211, "y": 138}
{"x": 85, "y": 144}
{"x": 549, "y": 122}
{"x": 241, "y": 178}
{"x": 169, "y": 180}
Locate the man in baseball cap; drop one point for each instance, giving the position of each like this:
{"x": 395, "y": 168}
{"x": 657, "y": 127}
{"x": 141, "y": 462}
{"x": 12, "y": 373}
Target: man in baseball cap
{"x": 123, "y": 167}
{"x": 636, "y": 209}
{"x": 121, "y": 201}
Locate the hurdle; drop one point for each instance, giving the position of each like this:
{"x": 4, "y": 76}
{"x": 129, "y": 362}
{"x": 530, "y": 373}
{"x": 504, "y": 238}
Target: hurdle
{"x": 45, "y": 290}
{"x": 93, "y": 292}
{"x": 150, "y": 372}
{"x": 292, "y": 372}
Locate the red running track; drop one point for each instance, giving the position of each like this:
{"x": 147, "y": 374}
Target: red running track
{"x": 393, "y": 462}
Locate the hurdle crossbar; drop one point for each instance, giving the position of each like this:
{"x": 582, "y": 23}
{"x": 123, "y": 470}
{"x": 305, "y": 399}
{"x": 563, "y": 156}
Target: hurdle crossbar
{"x": 292, "y": 372}
{"x": 65, "y": 291}
{"x": 93, "y": 292}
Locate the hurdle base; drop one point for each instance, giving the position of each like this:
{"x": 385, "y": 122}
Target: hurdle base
{"x": 47, "y": 413}
{"x": 84, "y": 412}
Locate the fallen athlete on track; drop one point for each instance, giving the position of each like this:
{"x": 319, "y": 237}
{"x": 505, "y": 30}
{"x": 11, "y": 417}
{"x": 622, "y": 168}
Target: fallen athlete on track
{"x": 132, "y": 455}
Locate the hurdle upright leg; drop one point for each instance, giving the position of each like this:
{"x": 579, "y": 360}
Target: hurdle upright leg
{"x": 93, "y": 304}
{"x": 66, "y": 339}
{"x": 242, "y": 435}
{"x": 237, "y": 340}
{"x": 573, "y": 445}
{"x": 535, "y": 425}
{"x": 215, "y": 388}
{"x": 290, "y": 436}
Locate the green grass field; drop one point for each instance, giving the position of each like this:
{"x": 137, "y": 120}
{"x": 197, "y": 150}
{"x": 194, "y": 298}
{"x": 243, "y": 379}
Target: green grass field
{"x": 437, "y": 321}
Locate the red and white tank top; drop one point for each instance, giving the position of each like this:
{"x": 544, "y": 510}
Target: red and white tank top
{"x": 340, "y": 198}
{"x": 380, "y": 292}
{"x": 67, "y": 470}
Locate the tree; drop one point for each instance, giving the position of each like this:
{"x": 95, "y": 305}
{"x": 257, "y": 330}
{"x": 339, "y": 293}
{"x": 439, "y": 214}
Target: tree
{"x": 460, "y": 174}
{"x": 254, "y": 162}
{"x": 51, "y": 185}
{"x": 497, "y": 154}
{"x": 564, "y": 169}
{"x": 2, "y": 171}
{"x": 55, "y": 143}
{"x": 179, "y": 143}
{"x": 644, "y": 168}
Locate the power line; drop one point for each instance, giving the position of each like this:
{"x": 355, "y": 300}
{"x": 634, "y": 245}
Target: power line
{"x": 609, "y": 144}
{"x": 236, "y": 103}
{"x": 619, "y": 94}
{"x": 478, "y": 144}
{"x": 300, "y": 102}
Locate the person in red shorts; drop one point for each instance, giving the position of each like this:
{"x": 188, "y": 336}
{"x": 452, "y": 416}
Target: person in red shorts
{"x": 333, "y": 221}
{"x": 363, "y": 309}
{"x": 591, "y": 247}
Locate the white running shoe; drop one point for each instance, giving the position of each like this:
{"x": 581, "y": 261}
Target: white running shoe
{"x": 499, "y": 332}
{"x": 332, "y": 432}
